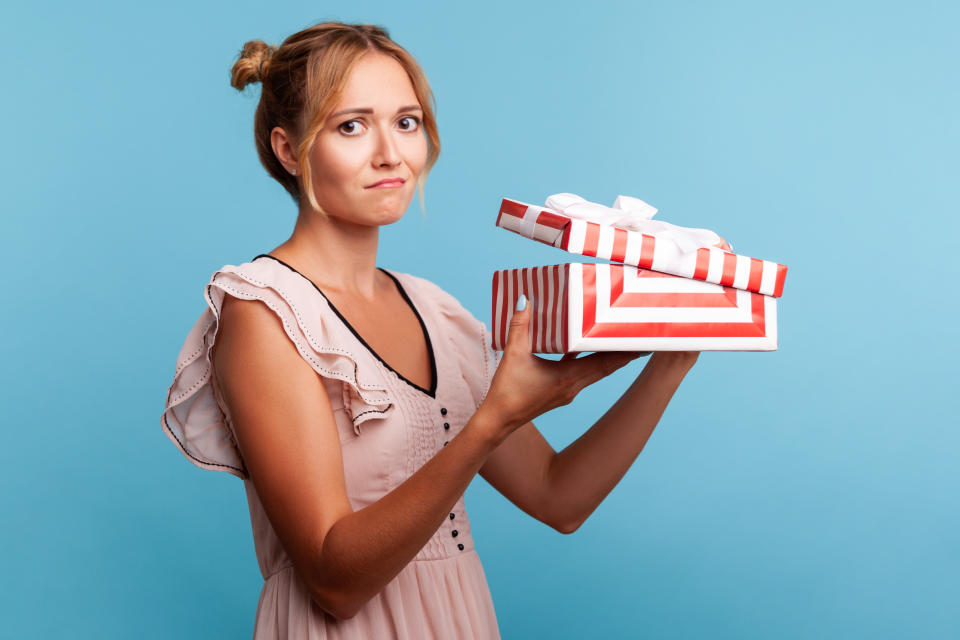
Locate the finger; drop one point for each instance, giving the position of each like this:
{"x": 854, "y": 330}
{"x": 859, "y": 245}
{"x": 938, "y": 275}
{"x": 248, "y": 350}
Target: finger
{"x": 518, "y": 333}
{"x": 599, "y": 365}
{"x": 608, "y": 365}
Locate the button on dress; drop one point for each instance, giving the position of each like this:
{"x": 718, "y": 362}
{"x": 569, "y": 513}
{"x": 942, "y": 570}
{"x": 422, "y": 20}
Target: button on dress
{"x": 389, "y": 427}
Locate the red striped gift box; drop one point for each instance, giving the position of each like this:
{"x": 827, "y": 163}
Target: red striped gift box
{"x": 615, "y": 307}
{"x": 634, "y": 248}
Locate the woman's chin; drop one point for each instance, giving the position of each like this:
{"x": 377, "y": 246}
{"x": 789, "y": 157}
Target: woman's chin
{"x": 374, "y": 212}
{"x": 389, "y": 217}
{"x": 390, "y": 211}
{"x": 381, "y": 216}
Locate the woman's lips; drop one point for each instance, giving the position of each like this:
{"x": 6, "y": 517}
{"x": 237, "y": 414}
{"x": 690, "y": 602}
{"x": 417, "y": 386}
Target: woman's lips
{"x": 389, "y": 182}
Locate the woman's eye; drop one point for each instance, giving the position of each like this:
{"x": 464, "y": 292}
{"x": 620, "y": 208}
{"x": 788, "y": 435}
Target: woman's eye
{"x": 409, "y": 123}
{"x": 350, "y": 127}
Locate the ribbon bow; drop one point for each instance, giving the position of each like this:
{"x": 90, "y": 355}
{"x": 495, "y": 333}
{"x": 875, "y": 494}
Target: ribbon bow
{"x": 632, "y": 214}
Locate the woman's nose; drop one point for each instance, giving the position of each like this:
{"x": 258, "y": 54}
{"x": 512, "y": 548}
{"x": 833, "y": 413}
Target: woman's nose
{"x": 386, "y": 152}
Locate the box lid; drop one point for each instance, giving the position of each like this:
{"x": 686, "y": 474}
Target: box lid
{"x": 586, "y": 238}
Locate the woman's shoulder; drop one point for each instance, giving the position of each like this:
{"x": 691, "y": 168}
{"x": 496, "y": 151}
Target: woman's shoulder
{"x": 261, "y": 270}
{"x": 193, "y": 417}
{"x": 266, "y": 277}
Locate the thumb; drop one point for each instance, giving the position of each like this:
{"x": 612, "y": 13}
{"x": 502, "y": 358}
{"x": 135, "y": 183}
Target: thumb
{"x": 518, "y": 335}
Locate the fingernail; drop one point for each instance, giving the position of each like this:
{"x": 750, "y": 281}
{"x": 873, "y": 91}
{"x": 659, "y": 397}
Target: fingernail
{"x": 521, "y": 302}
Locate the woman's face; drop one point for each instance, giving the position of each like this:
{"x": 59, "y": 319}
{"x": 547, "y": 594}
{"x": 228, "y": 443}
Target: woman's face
{"x": 373, "y": 134}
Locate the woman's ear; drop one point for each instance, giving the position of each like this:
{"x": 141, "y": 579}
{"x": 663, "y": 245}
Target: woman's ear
{"x": 283, "y": 148}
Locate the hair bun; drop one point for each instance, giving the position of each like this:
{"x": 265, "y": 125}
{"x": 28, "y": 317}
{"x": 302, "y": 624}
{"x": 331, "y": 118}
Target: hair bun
{"x": 250, "y": 63}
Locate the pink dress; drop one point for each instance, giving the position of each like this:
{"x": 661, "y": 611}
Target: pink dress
{"x": 389, "y": 427}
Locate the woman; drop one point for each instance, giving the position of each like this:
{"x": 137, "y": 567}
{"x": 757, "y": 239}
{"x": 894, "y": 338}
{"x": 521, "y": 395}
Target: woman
{"x": 356, "y": 403}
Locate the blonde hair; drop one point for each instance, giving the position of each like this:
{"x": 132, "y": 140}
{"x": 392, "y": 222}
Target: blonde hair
{"x": 302, "y": 80}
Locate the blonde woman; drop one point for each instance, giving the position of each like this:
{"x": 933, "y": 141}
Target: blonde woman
{"x": 357, "y": 403}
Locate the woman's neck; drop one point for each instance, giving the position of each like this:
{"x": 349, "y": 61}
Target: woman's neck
{"x": 337, "y": 256}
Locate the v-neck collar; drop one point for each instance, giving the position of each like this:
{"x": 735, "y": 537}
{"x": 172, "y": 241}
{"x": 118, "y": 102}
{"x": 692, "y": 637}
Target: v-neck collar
{"x": 432, "y": 391}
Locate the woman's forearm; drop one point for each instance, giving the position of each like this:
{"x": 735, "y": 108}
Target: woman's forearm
{"x": 366, "y": 549}
{"x": 585, "y": 472}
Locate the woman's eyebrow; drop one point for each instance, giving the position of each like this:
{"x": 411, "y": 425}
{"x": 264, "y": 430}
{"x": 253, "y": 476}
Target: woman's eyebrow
{"x": 410, "y": 107}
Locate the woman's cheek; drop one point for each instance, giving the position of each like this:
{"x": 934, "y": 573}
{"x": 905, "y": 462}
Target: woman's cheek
{"x": 344, "y": 154}
{"x": 416, "y": 153}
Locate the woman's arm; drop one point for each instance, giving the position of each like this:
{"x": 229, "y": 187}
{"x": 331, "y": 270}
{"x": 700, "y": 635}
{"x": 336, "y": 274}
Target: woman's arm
{"x": 563, "y": 489}
{"x": 289, "y": 441}
{"x": 366, "y": 549}
{"x": 580, "y": 477}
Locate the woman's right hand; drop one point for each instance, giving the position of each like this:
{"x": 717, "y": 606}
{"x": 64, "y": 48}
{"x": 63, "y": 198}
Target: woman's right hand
{"x": 526, "y": 386}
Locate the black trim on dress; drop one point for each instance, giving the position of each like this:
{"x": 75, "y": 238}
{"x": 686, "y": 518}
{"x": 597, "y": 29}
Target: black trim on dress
{"x": 432, "y": 392}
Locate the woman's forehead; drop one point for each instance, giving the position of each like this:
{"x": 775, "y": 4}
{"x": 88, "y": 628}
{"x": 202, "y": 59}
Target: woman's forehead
{"x": 377, "y": 82}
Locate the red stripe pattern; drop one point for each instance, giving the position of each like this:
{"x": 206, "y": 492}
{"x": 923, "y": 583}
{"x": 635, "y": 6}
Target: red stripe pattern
{"x": 606, "y": 307}
{"x": 545, "y": 288}
{"x": 631, "y": 247}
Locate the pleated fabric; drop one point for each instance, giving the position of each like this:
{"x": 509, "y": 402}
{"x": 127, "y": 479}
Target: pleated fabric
{"x": 389, "y": 427}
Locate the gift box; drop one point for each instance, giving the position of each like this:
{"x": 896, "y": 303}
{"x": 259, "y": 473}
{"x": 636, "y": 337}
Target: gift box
{"x": 615, "y": 307}
{"x": 657, "y": 253}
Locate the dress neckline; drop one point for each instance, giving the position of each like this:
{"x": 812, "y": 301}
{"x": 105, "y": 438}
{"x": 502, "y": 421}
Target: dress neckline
{"x": 432, "y": 391}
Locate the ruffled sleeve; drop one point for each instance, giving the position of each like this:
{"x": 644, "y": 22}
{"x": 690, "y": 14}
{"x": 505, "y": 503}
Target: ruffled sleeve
{"x": 194, "y": 417}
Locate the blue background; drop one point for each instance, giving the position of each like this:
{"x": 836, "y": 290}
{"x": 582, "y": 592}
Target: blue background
{"x": 805, "y": 493}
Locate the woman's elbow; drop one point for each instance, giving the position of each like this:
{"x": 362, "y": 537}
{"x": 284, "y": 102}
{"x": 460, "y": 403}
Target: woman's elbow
{"x": 332, "y": 589}
{"x": 335, "y": 603}
{"x": 567, "y": 523}
{"x": 562, "y": 522}
{"x": 567, "y": 529}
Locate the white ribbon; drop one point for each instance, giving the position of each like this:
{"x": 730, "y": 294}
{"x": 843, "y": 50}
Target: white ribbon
{"x": 632, "y": 214}
{"x": 528, "y": 224}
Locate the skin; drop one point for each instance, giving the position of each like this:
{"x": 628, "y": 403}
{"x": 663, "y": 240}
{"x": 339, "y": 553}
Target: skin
{"x": 282, "y": 415}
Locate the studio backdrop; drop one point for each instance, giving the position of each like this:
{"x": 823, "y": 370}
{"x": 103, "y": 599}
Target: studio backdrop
{"x": 808, "y": 492}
